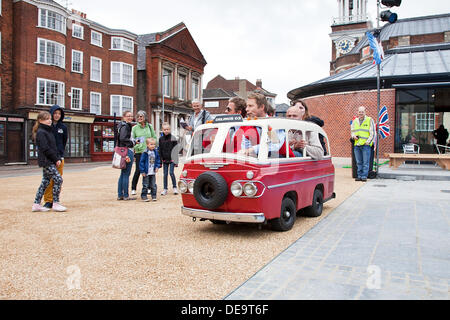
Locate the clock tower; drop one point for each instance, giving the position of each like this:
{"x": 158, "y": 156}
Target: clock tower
{"x": 347, "y": 30}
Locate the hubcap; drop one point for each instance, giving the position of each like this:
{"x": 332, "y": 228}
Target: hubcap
{"x": 287, "y": 214}
{"x": 208, "y": 190}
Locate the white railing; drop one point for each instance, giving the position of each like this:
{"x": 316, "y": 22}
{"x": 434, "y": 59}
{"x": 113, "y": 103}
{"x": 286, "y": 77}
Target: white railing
{"x": 350, "y": 19}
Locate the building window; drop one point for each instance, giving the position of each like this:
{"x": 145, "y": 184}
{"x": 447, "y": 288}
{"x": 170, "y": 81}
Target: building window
{"x": 119, "y": 104}
{"x": 78, "y": 140}
{"x": 96, "y": 103}
{"x": 424, "y": 121}
{"x": 76, "y": 98}
{"x": 119, "y": 43}
{"x": 50, "y": 92}
{"x": 52, "y": 20}
{"x": 0, "y": 93}
{"x": 77, "y": 61}
{"x": 121, "y": 73}
{"x": 181, "y": 87}
{"x": 96, "y": 38}
{"x": 51, "y": 53}
{"x": 96, "y": 69}
{"x": 195, "y": 89}
{"x": 166, "y": 81}
{"x": 77, "y": 31}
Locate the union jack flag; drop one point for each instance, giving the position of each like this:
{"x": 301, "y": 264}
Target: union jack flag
{"x": 383, "y": 124}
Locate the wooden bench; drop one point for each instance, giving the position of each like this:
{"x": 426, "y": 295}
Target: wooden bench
{"x": 396, "y": 159}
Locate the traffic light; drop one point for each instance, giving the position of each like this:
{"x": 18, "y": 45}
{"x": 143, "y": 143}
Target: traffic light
{"x": 391, "y": 3}
{"x": 387, "y": 15}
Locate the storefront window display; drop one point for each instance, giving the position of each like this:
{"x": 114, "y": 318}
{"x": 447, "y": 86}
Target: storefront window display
{"x": 419, "y": 113}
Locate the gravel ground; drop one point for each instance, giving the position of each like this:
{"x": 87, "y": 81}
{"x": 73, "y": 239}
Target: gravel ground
{"x": 102, "y": 248}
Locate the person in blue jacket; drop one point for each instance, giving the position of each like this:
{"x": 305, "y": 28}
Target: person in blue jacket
{"x": 149, "y": 164}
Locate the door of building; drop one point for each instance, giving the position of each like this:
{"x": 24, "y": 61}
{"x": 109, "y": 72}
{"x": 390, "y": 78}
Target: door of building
{"x": 15, "y": 139}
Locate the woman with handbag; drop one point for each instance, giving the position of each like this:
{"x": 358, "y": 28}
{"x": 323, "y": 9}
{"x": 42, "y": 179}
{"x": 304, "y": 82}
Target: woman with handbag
{"x": 125, "y": 143}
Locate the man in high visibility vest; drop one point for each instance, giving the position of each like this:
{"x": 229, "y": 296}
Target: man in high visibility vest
{"x": 363, "y": 133}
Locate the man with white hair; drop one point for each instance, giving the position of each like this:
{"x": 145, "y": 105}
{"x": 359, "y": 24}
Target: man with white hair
{"x": 199, "y": 117}
{"x": 363, "y": 133}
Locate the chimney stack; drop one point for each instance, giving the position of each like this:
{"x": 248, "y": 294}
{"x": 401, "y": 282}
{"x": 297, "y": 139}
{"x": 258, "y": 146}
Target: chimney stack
{"x": 259, "y": 83}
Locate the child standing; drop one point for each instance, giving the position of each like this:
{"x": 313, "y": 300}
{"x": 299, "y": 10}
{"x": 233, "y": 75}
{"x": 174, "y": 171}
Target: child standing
{"x": 169, "y": 157}
{"x": 49, "y": 160}
{"x": 148, "y": 166}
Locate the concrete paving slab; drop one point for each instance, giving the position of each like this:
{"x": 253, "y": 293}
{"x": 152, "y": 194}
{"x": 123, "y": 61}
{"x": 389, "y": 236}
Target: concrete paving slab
{"x": 389, "y": 243}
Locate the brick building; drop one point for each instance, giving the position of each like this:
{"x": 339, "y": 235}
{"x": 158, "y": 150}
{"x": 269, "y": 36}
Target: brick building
{"x": 414, "y": 80}
{"x": 56, "y": 56}
{"x": 170, "y": 71}
{"x": 219, "y": 90}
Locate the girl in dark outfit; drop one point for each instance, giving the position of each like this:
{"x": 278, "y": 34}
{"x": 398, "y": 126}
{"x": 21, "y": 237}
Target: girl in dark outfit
{"x": 49, "y": 160}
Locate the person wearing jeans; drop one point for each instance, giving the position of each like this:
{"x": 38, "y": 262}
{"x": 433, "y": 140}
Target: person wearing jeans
{"x": 362, "y": 157}
{"x": 363, "y": 134}
{"x": 168, "y": 152}
{"x": 124, "y": 178}
{"x": 168, "y": 168}
{"x": 148, "y": 166}
{"x": 124, "y": 140}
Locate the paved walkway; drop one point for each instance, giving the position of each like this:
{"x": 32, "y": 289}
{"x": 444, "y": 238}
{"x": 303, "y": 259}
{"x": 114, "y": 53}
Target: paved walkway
{"x": 390, "y": 240}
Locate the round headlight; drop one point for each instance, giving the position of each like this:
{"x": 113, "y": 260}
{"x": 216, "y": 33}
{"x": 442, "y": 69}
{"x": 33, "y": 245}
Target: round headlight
{"x": 250, "y": 174}
{"x": 250, "y": 189}
{"x": 184, "y": 173}
{"x": 236, "y": 189}
{"x": 182, "y": 186}
{"x": 190, "y": 186}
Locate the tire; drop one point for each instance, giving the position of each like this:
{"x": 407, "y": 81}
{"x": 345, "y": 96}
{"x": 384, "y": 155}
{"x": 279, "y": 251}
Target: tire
{"x": 210, "y": 190}
{"x": 287, "y": 216}
{"x": 315, "y": 210}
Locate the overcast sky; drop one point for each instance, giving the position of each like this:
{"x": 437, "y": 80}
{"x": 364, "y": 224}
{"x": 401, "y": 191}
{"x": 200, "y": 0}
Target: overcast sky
{"x": 285, "y": 43}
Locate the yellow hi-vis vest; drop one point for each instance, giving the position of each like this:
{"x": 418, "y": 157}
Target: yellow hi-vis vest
{"x": 362, "y": 131}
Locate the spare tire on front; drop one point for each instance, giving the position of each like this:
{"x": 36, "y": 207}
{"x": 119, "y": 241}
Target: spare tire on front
{"x": 210, "y": 190}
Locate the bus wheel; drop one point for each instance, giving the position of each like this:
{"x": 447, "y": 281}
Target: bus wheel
{"x": 315, "y": 210}
{"x": 287, "y": 216}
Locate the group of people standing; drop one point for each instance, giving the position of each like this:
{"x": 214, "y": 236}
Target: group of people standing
{"x": 141, "y": 141}
{"x": 144, "y": 149}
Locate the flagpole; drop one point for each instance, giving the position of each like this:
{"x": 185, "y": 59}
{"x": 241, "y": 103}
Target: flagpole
{"x": 378, "y": 90}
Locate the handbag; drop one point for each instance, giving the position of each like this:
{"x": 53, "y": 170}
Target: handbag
{"x": 119, "y": 158}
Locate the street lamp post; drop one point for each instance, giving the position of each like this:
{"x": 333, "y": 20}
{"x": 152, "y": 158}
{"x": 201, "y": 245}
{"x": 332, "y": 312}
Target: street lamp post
{"x": 378, "y": 89}
{"x": 163, "y": 94}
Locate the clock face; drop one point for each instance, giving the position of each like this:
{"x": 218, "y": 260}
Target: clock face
{"x": 344, "y": 46}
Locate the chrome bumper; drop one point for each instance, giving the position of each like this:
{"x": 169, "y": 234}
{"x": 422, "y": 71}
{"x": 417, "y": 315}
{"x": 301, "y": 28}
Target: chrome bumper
{"x": 224, "y": 216}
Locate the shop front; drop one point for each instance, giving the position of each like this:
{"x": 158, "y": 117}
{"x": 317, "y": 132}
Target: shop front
{"x": 419, "y": 112}
{"x": 102, "y": 138}
{"x": 78, "y": 142}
